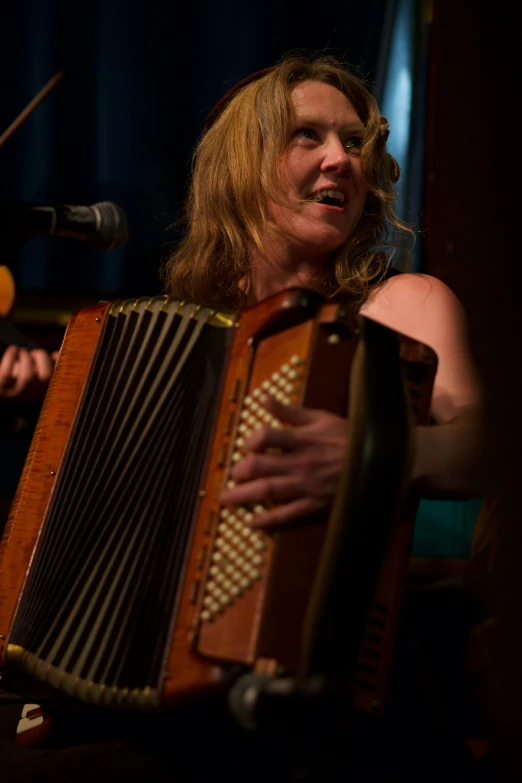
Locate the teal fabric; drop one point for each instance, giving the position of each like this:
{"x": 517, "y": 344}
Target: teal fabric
{"x": 444, "y": 528}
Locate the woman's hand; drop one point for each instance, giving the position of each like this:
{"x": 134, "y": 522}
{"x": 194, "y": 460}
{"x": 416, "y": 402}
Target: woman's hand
{"x": 25, "y": 375}
{"x": 297, "y": 468}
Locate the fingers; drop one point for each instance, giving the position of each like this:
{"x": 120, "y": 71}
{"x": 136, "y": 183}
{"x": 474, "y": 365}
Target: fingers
{"x": 14, "y": 371}
{"x": 43, "y": 364}
{"x": 289, "y": 414}
{"x": 285, "y": 438}
{"x": 24, "y": 370}
{"x": 270, "y": 438}
{"x": 24, "y": 374}
{"x": 276, "y": 489}
{"x": 301, "y": 477}
{"x": 7, "y": 363}
{"x": 257, "y": 465}
{"x": 280, "y": 516}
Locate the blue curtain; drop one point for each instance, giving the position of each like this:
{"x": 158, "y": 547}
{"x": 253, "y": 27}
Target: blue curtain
{"x": 443, "y": 528}
{"x": 402, "y": 88}
{"x": 139, "y": 80}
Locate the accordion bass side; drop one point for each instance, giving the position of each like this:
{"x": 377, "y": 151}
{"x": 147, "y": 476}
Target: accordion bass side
{"x": 123, "y": 581}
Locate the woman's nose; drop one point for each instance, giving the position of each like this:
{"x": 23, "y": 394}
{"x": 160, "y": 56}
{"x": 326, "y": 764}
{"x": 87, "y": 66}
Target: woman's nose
{"x": 336, "y": 156}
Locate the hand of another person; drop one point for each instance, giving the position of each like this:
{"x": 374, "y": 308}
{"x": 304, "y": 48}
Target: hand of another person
{"x": 301, "y": 477}
{"x": 24, "y": 374}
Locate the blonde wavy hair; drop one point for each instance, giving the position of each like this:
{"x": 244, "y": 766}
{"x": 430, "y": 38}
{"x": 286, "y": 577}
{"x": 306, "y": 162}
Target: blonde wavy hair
{"x": 235, "y": 168}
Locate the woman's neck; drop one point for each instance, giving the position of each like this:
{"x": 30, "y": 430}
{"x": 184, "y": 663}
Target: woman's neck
{"x": 270, "y": 275}
{"x": 269, "y": 281}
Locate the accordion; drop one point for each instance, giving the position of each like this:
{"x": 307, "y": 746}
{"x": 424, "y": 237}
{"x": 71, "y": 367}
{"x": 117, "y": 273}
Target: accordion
{"x": 125, "y": 583}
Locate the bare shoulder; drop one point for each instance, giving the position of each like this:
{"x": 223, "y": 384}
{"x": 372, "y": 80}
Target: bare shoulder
{"x": 426, "y": 309}
{"x": 418, "y": 305}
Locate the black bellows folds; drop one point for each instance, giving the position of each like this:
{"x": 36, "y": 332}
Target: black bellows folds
{"x": 101, "y": 593}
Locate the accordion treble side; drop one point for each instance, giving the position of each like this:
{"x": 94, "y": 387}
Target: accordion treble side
{"x": 123, "y": 581}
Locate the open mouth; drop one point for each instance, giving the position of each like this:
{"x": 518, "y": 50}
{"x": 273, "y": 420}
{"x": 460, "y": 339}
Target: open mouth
{"x": 331, "y": 198}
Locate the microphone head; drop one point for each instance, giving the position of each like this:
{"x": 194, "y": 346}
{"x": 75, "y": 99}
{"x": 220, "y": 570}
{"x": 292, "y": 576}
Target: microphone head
{"x": 111, "y": 226}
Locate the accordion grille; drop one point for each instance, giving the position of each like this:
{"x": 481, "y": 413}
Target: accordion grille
{"x": 125, "y": 497}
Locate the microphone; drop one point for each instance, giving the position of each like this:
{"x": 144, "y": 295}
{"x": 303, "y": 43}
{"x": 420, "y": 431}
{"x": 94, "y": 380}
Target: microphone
{"x": 102, "y": 225}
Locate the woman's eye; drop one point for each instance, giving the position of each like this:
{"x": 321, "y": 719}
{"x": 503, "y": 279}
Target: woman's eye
{"x": 354, "y": 142}
{"x": 305, "y": 133}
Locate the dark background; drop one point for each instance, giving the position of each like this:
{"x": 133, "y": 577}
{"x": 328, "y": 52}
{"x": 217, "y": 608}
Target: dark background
{"x": 139, "y": 80}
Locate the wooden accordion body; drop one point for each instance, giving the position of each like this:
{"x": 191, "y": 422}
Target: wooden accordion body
{"x": 123, "y": 582}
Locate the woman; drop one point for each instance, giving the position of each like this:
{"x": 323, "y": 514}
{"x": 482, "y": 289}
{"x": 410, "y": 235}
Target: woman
{"x": 292, "y": 186}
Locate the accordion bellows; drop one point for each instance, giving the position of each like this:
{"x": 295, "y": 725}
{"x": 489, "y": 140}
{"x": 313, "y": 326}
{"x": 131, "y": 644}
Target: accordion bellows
{"x": 124, "y": 583}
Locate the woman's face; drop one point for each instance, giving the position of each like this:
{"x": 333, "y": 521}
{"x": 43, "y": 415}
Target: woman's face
{"x": 321, "y": 172}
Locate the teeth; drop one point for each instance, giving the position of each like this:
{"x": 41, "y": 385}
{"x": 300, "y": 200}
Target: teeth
{"x": 336, "y": 194}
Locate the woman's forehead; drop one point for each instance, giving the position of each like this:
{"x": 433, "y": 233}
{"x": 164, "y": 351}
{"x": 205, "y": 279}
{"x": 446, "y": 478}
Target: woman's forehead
{"x": 318, "y": 102}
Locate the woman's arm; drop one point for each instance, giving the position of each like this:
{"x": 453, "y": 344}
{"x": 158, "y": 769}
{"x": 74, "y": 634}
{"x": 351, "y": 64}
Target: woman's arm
{"x": 449, "y": 460}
